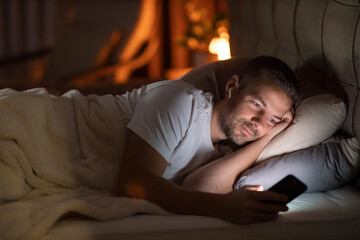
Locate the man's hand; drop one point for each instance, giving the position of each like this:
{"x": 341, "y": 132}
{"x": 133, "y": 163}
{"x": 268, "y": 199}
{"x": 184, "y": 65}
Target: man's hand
{"x": 245, "y": 206}
{"x": 281, "y": 126}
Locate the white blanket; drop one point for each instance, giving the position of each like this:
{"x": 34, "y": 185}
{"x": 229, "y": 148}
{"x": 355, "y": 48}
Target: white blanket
{"x": 59, "y": 155}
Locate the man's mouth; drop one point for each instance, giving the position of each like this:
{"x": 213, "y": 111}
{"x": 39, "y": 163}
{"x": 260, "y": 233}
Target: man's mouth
{"x": 245, "y": 130}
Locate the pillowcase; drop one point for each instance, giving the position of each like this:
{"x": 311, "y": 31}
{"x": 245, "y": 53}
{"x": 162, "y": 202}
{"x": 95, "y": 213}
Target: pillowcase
{"x": 321, "y": 168}
{"x": 350, "y": 148}
{"x": 316, "y": 119}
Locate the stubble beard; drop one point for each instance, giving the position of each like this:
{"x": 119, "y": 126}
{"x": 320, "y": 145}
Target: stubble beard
{"x": 229, "y": 125}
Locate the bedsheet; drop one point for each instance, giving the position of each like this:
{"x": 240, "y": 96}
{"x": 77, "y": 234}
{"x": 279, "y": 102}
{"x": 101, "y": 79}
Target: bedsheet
{"x": 329, "y": 215}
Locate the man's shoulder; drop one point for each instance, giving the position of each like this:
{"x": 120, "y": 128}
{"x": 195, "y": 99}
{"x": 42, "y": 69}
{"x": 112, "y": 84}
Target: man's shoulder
{"x": 177, "y": 90}
{"x": 173, "y": 84}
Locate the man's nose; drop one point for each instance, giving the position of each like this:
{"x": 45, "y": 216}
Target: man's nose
{"x": 258, "y": 122}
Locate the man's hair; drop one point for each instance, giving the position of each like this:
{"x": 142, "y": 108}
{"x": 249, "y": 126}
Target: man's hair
{"x": 281, "y": 74}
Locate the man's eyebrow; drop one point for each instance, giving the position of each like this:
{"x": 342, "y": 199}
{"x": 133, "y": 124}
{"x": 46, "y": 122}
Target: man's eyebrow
{"x": 261, "y": 100}
{"x": 279, "y": 118}
{"x": 264, "y": 104}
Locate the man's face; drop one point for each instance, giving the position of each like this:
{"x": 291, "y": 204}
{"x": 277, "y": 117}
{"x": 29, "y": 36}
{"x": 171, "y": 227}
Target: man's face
{"x": 254, "y": 111}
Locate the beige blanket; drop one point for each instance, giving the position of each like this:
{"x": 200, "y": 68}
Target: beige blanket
{"x": 59, "y": 155}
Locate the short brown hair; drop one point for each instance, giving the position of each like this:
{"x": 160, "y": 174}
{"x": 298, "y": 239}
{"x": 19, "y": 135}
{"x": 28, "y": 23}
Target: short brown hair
{"x": 283, "y": 76}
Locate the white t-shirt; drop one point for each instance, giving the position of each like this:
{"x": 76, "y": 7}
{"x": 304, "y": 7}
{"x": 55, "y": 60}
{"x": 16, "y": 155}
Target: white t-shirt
{"x": 174, "y": 118}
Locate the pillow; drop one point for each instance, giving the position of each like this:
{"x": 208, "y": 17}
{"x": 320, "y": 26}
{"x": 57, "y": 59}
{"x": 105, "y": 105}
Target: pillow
{"x": 322, "y": 168}
{"x": 350, "y": 148}
{"x": 316, "y": 119}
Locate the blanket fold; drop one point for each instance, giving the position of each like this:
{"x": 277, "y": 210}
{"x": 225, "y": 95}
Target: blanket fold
{"x": 58, "y": 155}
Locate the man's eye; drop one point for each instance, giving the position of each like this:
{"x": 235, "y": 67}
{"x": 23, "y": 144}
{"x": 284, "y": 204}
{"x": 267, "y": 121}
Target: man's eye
{"x": 256, "y": 105}
{"x": 272, "y": 121}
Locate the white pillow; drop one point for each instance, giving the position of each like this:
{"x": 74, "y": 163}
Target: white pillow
{"x": 316, "y": 119}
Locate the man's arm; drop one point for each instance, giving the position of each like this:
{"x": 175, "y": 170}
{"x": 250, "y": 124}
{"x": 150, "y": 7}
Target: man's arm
{"x": 220, "y": 175}
{"x": 140, "y": 177}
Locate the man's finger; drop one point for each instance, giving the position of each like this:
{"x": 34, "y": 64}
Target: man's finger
{"x": 257, "y": 188}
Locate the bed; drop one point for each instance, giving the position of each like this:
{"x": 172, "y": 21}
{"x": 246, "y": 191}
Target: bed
{"x": 330, "y": 215}
{"x": 321, "y": 35}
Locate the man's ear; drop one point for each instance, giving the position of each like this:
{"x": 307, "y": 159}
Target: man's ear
{"x": 231, "y": 85}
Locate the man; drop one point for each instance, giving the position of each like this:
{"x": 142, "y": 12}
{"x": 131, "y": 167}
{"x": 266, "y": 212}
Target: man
{"x": 170, "y": 157}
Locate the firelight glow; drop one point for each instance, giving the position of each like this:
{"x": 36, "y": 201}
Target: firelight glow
{"x": 220, "y": 46}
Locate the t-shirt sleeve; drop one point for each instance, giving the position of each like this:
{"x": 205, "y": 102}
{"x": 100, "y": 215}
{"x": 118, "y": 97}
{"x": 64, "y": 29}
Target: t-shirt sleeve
{"x": 162, "y": 118}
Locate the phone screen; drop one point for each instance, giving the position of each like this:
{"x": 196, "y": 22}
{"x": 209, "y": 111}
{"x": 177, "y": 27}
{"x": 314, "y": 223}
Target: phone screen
{"x": 291, "y": 186}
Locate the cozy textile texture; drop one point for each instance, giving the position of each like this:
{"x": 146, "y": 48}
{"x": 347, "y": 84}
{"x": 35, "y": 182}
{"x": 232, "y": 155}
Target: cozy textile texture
{"x": 316, "y": 119}
{"x": 59, "y": 155}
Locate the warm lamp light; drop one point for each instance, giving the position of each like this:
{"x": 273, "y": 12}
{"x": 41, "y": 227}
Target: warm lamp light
{"x": 220, "y": 46}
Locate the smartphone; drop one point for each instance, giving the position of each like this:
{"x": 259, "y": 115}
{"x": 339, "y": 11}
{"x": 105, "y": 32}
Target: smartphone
{"x": 289, "y": 185}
